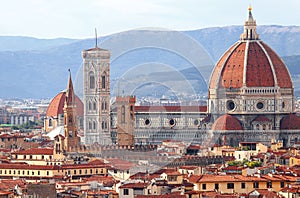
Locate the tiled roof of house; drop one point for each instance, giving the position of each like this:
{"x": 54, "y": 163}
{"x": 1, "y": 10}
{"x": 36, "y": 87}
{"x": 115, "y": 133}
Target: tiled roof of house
{"x": 35, "y": 151}
{"x": 18, "y": 166}
{"x": 222, "y": 178}
{"x": 119, "y": 164}
{"x": 138, "y": 185}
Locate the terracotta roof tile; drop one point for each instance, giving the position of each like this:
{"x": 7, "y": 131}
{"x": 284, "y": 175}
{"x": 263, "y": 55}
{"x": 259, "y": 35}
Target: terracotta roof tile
{"x": 27, "y": 166}
{"x": 261, "y": 118}
{"x": 229, "y": 71}
{"x": 214, "y": 80}
{"x": 35, "y": 151}
{"x": 134, "y": 185}
{"x": 119, "y": 164}
{"x": 56, "y": 105}
{"x": 227, "y": 122}
{"x": 259, "y": 72}
{"x": 290, "y": 122}
{"x": 283, "y": 77}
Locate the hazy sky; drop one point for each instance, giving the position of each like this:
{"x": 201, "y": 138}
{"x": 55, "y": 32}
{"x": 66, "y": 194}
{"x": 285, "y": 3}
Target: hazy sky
{"x": 78, "y": 18}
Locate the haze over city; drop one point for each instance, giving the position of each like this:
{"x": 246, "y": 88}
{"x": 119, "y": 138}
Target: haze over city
{"x": 78, "y": 18}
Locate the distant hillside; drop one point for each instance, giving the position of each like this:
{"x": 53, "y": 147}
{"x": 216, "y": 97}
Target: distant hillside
{"x": 283, "y": 39}
{"x": 21, "y": 43}
{"x": 293, "y": 63}
{"x": 37, "y": 68}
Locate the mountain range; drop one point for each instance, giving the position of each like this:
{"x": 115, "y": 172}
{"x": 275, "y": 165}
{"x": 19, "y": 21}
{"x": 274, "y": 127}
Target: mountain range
{"x": 143, "y": 62}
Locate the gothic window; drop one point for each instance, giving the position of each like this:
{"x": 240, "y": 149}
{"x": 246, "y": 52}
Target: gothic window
{"x": 90, "y": 106}
{"x": 94, "y": 125}
{"x": 102, "y": 125}
{"x": 91, "y": 80}
{"x": 123, "y": 114}
{"x": 105, "y": 125}
{"x": 94, "y": 106}
{"x": 264, "y": 127}
{"x": 90, "y": 125}
{"x": 103, "y": 79}
{"x": 103, "y": 105}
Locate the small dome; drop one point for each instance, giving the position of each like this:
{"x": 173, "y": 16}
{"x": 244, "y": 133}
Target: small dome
{"x": 56, "y": 105}
{"x": 290, "y": 122}
{"x": 227, "y": 122}
{"x": 261, "y": 118}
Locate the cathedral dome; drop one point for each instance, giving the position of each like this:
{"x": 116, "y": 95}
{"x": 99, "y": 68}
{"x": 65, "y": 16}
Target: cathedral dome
{"x": 227, "y": 122}
{"x": 290, "y": 122}
{"x": 250, "y": 63}
{"x": 56, "y": 105}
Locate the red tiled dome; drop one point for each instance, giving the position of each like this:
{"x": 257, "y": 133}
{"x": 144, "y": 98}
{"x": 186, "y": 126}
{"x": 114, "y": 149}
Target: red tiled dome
{"x": 290, "y": 122}
{"x": 56, "y": 105}
{"x": 250, "y": 63}
{"x": 227, "y": 122}
{"x": 261, "y": 118}
{"x": 253, "y": 63}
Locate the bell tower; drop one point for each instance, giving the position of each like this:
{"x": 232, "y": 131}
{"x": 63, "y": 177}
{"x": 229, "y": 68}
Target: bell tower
{"x": 71, "y": 139}
{"x": 96, "y": 96}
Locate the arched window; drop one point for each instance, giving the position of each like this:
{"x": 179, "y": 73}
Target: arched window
{"x": 91, "y": 80}
{"x": 94, "y": 125}
{"x": 123, "y": 114}
{"x": 103, "y": 82}
{"x": 102, "y": 125}
{"x": 257, "y": 126}
{"x": 90, "y": 125}
{"x": 94, "y": 106}
{"x": 90, "y": 105}
{"x": 104, "y": 105}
